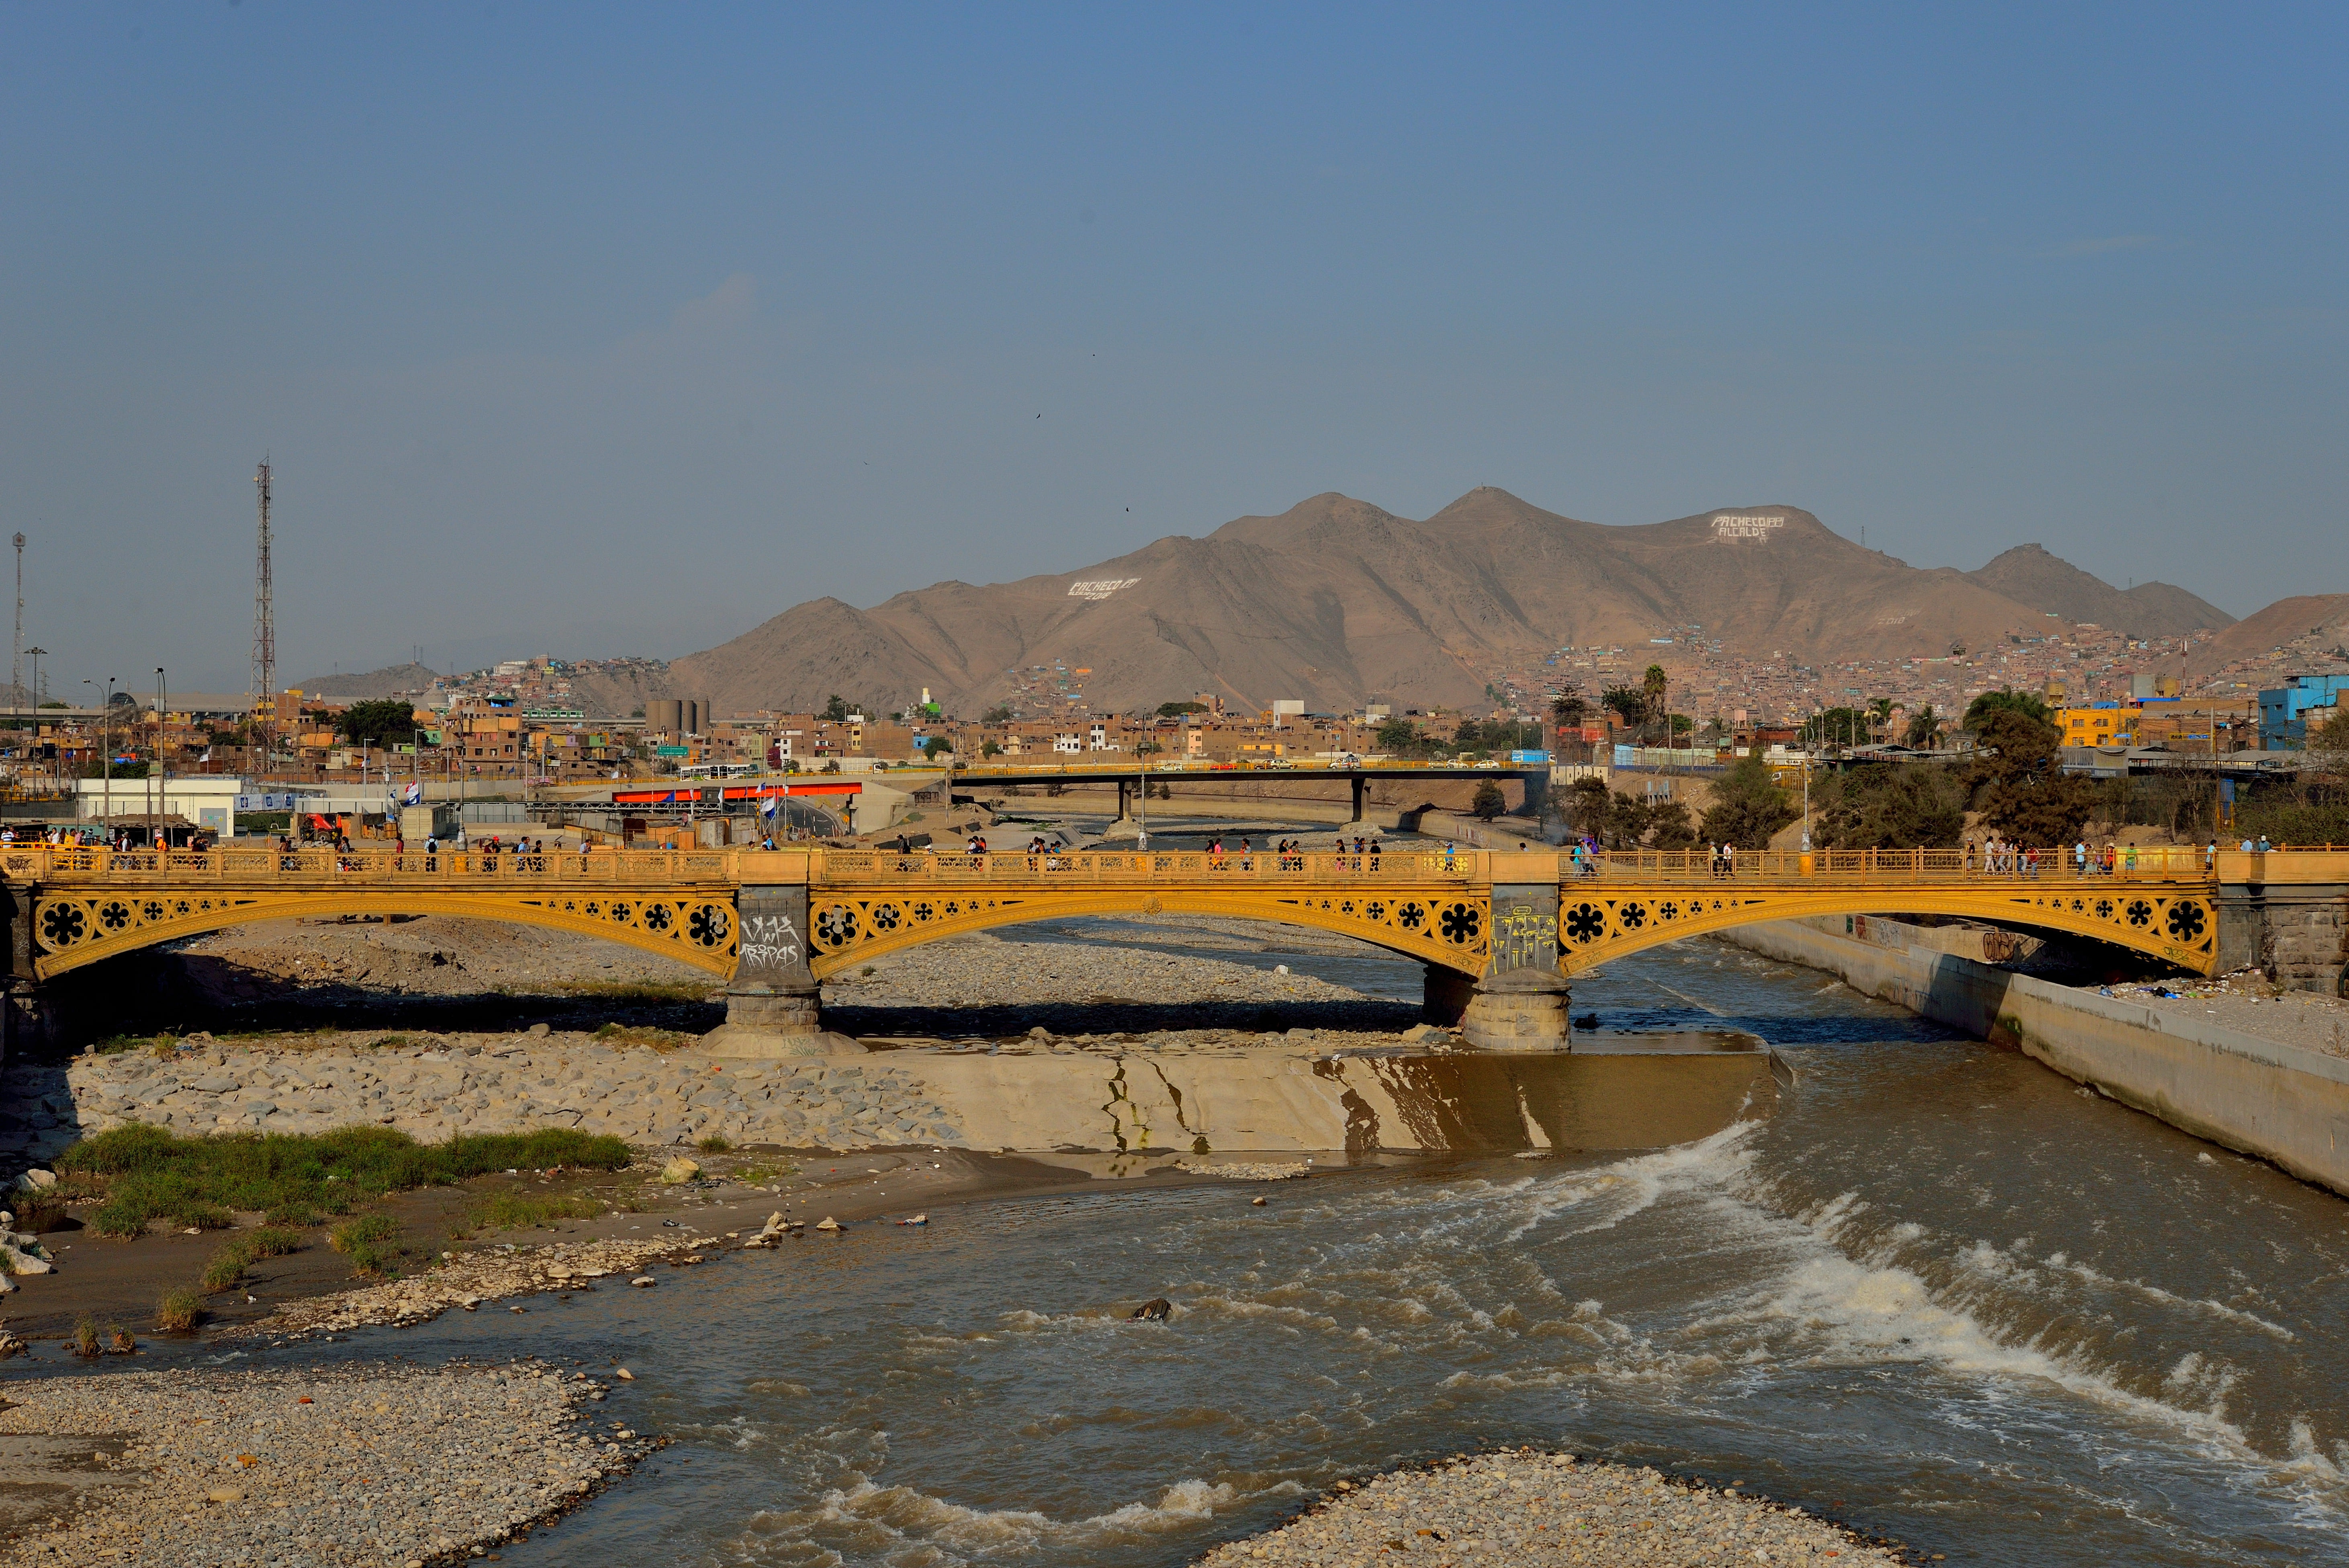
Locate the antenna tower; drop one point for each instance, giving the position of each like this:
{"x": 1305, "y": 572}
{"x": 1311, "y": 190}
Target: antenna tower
{"x": 16, "y": 647}
{"x": 263, "y": 714}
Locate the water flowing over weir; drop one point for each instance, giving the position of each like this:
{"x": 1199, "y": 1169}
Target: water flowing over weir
{"x": 1941, "y": 1294}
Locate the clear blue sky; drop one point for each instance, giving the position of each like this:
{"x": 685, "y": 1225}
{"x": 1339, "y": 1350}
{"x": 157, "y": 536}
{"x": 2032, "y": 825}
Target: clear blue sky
{"x": 597, "y": 330}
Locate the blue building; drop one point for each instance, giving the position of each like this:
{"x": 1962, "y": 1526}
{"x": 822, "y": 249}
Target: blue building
{"x": 2283, "y": 710}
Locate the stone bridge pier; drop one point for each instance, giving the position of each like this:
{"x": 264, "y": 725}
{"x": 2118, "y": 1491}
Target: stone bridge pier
{"x": 772, "y": 1006}
{"x": 1520, "y": 1001}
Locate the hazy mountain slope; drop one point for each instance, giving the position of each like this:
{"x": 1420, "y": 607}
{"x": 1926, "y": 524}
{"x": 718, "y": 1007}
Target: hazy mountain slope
{"x": 394, "y": 680}
{"x": 1337, "y": 602}
{"x": 2314, "y": 625}
{"x": 2030, "y": 576}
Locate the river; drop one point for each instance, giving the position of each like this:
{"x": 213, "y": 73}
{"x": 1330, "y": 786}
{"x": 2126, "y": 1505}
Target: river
{"x": 1941, "y": 1294}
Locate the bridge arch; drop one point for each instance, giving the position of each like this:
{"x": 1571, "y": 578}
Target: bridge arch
{"x": 1597, "y": 920}
{"x": 1447, "y": 926}
{"x": 71, "y": 930}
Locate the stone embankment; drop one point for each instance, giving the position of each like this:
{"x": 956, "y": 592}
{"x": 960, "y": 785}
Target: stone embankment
{"x": 1526, "y": 1507}
{"x": 2175, "y": 1057}
{"x": 434, "y": 1087}
{"x": 351, "y": 1465}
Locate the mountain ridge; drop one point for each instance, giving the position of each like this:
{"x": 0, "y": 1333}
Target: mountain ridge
{"x": 1338, "y": 601}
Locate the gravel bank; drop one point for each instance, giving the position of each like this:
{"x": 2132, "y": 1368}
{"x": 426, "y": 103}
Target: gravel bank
{"x": 1525, "y": 1507}
{"x": 353, "y": 1465}
{"x": 2249, "y": 1003}
{"x": 434, "y": 1087}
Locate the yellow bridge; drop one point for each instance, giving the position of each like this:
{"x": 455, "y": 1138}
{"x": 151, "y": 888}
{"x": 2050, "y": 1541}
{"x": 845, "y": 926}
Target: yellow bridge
{"x": 734, "y": 911}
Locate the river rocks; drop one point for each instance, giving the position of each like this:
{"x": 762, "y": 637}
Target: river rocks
{"x": 434, "y": 1087}
{"x": 353, "y": 1464}
{"x": 36, "y": 1180}
{"x": 1526, "y": 1507}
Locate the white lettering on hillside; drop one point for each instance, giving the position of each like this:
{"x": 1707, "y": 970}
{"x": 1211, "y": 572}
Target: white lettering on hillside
{"x": 1745, "y": 525}
{"x": 1100, "y": 587}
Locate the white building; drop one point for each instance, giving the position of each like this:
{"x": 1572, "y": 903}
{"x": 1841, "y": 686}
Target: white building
{"x": 207, "y": 799}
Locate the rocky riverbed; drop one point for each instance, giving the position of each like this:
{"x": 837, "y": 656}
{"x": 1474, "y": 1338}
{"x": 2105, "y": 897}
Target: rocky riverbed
{"x": 356, "y": 1464}
{"x": 1526, "y": 1507}
{"x": 435, "y": 1087}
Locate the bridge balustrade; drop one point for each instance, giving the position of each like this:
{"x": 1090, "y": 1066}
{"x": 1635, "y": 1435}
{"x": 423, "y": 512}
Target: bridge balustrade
{"x": 1130, "y": 865}
{"x": 145, "y": 867}
{"x": 1888, "y": 867}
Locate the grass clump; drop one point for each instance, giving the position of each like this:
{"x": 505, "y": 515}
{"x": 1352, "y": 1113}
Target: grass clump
{"x": 513, "y": 1212}
{"x": 649, "y": 993}
{"x": 176, "y": 1310}
{"x": 150, "y": 1174}
{"x": 230, "y": 1262}
{"x": 86, "y": 1340}
{"x": 371, "y": 1242}
{"x": 715, "y": 1143}
{"x": 124, "y": 1343}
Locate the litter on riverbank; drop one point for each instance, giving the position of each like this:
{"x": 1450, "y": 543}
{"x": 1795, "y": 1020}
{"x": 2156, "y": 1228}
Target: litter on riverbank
{"x": 1526, "y": 1506}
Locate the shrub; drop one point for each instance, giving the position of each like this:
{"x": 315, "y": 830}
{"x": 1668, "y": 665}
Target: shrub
{"x": 225, "y": 1271}
{"x": 123, "y": 1344}
{"x": 371, "y": 1242}
{"x": 176, "y": 1311}
{"x": 150, "y": 1174}
{"x": 714, "y": 1144}
{"x": 85, "y": 1341}
{"x": 515, "y": 1212}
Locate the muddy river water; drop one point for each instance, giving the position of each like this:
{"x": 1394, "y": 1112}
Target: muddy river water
{"x": 1940, "y": 1294}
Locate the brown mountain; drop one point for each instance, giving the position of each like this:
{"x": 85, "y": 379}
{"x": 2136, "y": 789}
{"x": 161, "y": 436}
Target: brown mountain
{"x": 1337, "y": 601}
{"x": 2312, "y": 627}
{"x": 2029, "y": 575}
{"x": 394, "y": 680}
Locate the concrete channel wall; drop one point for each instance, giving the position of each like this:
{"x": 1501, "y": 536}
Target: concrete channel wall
{"x": 2282, "y": 1103}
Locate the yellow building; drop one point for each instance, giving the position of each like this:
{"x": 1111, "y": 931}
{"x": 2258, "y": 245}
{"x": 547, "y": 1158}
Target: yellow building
{"x": 2111, "y": 724}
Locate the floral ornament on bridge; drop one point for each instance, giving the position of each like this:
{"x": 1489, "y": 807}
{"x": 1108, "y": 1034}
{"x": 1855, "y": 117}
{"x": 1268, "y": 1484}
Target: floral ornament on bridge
{"x": 709, "y": 925}
{"x": 1586, "y": 922}
{"x": 1411, "y": 917}
{"x": 1632, "y": 915}
{"x": 2141, "y": 913}
{"x": 836, "y": 927}
{"x": 2186, "y": 923}
{"x": 1460, "y": 923}
{"x": 114, "y": 914}
{"x": 62, "y": 926}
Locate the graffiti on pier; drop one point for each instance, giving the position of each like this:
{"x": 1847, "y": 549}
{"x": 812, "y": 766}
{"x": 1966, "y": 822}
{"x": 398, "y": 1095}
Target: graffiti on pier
{"x": 1524, "y": 937}
{"x": 769, "y": 942}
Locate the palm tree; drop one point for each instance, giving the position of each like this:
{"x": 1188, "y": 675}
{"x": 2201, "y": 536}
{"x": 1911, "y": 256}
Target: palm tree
{"x": 1880, "y": 713}
{"x": 1924, "y": 728}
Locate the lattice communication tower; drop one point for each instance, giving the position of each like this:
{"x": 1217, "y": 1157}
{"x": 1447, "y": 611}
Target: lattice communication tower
{"x": 17, "y": 647}
{"x": 263, "y": 714}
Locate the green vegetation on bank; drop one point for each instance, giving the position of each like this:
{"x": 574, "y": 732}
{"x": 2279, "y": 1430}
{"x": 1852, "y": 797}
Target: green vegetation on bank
{"x": 148, "y": 1173}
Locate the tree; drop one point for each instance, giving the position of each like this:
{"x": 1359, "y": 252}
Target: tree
{"x": 2023, "y": 791}
{"x": 1400, "y": 738}
{"x": 1177, "y": 710}
{"x": 1652, "y": 685}
{"x": 988, "y": 749}
{"x": 1629, "y": 702}
{"x": 2006, "y": 700}
{"x": 1836, "y": 727}
{"x": 1924, "y": 728}
{"x": 998, "y": 714}
{"x": 836, "y": 709}
{"x": 386, "y": 723}
{"x": 1880, "y": 716}
{"x": 935, "y": 747}
{"x": 1748, "y": 806}
{"x": 1919, "y": 806}
{"x": 1568, "y": 707}
{"x": 1488, "y": 802}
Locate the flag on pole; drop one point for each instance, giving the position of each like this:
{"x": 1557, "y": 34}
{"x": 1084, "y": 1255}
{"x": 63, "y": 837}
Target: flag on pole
{"x": 415, "y": 795}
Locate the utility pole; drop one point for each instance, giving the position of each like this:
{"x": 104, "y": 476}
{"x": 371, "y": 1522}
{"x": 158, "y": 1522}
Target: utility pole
{"x": 16, "y": 647}
{"x": 35, "y": 654}
{"x": 261, "y": 720}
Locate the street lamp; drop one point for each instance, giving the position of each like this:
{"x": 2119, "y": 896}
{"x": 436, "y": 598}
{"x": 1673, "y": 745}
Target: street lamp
{"x": 106, "y": 756}
{"x": 162, "y": 773}
{"x": 36, "y": 654}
